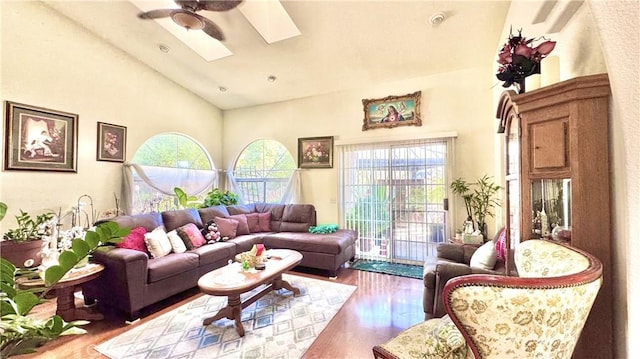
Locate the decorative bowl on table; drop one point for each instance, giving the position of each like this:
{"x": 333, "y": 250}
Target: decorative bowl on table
{"x": 250, "y": 258}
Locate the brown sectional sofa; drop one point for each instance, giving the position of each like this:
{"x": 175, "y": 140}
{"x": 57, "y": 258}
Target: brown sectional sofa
{"x": 132, "y": 280}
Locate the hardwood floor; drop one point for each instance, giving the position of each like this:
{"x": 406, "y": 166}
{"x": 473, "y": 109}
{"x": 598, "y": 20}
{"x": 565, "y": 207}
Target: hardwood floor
{"x": 381, "y": 307}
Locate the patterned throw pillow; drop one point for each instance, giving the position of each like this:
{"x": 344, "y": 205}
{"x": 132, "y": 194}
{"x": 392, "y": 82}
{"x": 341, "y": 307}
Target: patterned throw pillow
{"x": 134, "y": 240}
{"x": 434, "y": 338}
{"x": 177, "y": 244}
{"x": 157, "y": 242}
{"x": 264, "y": 219}
{"x": 501, "y": 246}
{"x": 253, "y": 222}
{"x": 243, "y": 226}
{"x": 444, "y": 340}
{"x": 228, "y": 227}
{"x": 191, "y": 236}
{"x": 211, "y": 232}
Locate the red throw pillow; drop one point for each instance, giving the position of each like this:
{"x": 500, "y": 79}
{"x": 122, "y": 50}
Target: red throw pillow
{"x": 253, "y": 222}
{"x": 228, "y": 226}
{"x": 265, "y": 221}
{"x": 191, "y": 236}
{"x": 134, "y": 240}
{"x": 501, "y": 246}
{"x": 243, "y": 226}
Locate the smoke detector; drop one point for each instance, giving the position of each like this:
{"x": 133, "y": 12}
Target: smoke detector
{"x": 437, "y": 18}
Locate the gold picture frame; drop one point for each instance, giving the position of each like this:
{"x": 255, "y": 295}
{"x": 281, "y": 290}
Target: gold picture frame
{"x": 315, "y": 152}
{"x": 392, "y": 111}
{"x": 40, "y": 139}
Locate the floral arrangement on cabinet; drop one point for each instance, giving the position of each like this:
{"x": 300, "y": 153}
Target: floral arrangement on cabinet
{"x": 518, "y": 58}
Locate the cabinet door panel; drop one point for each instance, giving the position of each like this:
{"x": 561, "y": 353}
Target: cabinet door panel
{"x": 549, "y": 145}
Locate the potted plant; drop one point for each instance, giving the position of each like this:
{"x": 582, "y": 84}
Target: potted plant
{"x": 216, "y": 197}
{"x": 479, "y": 199}
{"x": 21, "y": 334}
{"x": 21, "y": 245}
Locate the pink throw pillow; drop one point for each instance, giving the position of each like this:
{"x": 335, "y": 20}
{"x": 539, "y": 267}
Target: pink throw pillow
{"x": 228, "y": 227}
{"x": 265, "y": 221}
{"x": 243, "y": 226}
{"x": 191, "y": 236}
{"x": 501, "y": 246}
{"x": 134, "y": 240}
{"x": 253, "y": 222}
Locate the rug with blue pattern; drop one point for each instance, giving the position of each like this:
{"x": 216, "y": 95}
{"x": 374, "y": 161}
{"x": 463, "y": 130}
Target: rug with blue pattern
{"x": 278, "y": 325}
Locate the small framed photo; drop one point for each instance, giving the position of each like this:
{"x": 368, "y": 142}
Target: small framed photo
{"x": 392, "y": 111}
{"x": 40, "y": 139}
{"x": 112, "y": 142}
{"x": 315, "y": 152}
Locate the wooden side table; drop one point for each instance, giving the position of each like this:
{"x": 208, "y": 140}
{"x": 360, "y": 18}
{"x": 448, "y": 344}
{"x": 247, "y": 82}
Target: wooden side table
{"x": 65, "y": 288}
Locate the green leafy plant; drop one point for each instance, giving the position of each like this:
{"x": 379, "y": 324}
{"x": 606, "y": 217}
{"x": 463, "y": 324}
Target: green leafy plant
{"x": 28, "y": 228}
{"x": 3, "y": 210}
{"x": 216, "y": 197}
{"x": 479, "y": 199}
{"x": 185, "y": 200}
{"x": 21, "y": 334}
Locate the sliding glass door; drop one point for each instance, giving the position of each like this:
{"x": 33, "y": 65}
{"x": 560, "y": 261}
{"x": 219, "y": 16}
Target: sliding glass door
{"x": 393, "y": 195}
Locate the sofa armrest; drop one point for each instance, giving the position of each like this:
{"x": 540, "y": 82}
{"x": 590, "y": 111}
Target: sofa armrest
{"x": 124, "y": 278}
{"x": 129, "y": 264}
{"x": 456, "y": 252}
{"x": 443, "y": 272}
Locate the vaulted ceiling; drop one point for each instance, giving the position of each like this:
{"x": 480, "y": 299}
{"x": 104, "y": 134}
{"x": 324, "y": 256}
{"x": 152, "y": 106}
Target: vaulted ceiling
{"x": 343, "y": 45}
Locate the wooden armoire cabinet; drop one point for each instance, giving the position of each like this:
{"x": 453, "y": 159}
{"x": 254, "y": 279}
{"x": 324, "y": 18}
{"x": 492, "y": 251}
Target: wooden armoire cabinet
{"x": 557, "y": 174}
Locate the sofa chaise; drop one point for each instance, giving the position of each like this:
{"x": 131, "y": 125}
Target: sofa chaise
{"x": 133, "y": 280}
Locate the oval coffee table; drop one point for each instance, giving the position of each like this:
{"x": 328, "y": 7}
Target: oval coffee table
{"x": 231, "y": 281}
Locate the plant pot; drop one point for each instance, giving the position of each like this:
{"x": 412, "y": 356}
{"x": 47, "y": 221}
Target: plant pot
{"x": 22, "y": 254}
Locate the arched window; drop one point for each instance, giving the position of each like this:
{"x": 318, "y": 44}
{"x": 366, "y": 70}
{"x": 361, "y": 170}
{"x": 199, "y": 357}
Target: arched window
{"x": 263, "y": 170}
{"x": 166, "y": 161}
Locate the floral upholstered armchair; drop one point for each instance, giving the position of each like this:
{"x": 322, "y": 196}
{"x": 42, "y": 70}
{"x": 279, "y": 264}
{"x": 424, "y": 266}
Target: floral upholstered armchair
{"x": 534, "y": 315}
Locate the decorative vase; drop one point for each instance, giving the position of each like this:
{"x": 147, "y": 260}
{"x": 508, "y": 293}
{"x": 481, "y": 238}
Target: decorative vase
{"x": 22, "y": 254}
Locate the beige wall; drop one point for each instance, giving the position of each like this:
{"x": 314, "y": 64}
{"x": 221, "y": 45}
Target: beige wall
{"x": 617, "y": 24}
{"x": 458, "y": 101}
{"x": 48, "y": 61}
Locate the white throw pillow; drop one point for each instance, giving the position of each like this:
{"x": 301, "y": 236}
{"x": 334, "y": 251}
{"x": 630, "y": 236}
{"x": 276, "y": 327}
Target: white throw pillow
{"x": 157, "y": 242}
{"x": 484, "y": 257}
{"x": 177, "y": 245}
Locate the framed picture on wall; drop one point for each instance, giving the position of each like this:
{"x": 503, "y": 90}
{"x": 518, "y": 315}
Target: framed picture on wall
{"x": 315, "y": 152}
{"x": 392, "y": 111}
{"x": 39, "y": 139}
{"x": 112, "y": 142}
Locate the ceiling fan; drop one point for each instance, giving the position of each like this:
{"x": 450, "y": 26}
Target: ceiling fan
{"x": 187, "y": 17}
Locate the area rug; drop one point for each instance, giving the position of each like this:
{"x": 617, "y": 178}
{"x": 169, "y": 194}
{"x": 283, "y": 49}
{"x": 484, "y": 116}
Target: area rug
{"x": 404, "y": 270}
{"x": 279, "y": 325}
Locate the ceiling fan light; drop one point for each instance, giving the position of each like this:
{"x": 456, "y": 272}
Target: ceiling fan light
{"x": 187, "y": 21}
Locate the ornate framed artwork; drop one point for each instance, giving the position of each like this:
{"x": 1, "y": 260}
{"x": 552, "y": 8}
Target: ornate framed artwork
{"x": 112, "y": 142}
{"x": 392, "y": 111}
{"x": 40, "y": 139}
{"x": 315, "y": 152}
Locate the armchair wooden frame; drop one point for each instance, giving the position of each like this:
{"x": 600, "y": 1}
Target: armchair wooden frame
{"x": 532, "y": 283}
{"x": 540, "y": 313}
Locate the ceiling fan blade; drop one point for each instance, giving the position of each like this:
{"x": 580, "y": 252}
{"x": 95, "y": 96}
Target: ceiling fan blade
{"x": 156, "y": 14}
{"x": 218, "y": 5}
{"x": 210, "y": 28}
